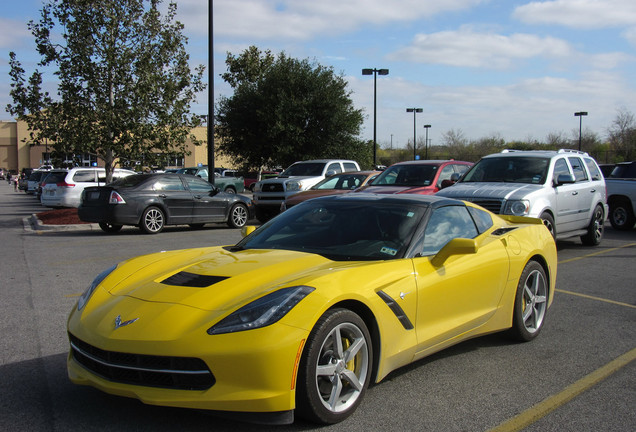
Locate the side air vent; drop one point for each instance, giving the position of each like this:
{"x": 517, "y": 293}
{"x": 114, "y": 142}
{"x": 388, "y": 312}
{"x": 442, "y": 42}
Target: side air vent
{"x": 502, "y": 231}
{"x": 192, "y": 280}
{"x": 397, "y": 310}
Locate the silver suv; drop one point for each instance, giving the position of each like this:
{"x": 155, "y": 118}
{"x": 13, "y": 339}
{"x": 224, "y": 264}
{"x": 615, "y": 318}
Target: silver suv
{"x": 564, "y": 188}
{"x": 271, "y": 193}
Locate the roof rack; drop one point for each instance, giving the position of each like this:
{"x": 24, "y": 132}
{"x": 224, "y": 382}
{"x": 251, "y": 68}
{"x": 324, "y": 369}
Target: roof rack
{"x": 573, "y": 151}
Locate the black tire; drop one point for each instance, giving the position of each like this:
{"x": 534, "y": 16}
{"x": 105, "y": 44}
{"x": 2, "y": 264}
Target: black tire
{"x": 238, "y": 216}
{"x": 109, "y": 228}
{"x": 621, "y": 215}
{"x": 230, "y": 190}
{"x": 548, "y": 221}
{"x": 153, "y": 220}
{"x": 595, "y": 228}
{"x": 335, "y": 368}
{"x": 531, "y": 303}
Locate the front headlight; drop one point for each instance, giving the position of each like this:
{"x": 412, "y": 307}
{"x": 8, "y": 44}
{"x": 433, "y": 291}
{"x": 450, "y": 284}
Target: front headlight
{"x": 293, "y": 186}
{"x": 517, "y": 208}
{"x": 89, "y": 292}
{"x": 262, "y": 312}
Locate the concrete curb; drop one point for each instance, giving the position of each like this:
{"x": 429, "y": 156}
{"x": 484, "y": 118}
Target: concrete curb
{"x": 32, "y": 223}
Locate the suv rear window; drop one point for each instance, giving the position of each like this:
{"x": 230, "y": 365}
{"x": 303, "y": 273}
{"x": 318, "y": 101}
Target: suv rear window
{"x": 55, "y": 177}
{"x": 84, "y": 176}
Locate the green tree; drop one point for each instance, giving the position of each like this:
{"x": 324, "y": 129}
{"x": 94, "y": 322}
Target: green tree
{"x": 284, "y": 110}
{"x": 124, "y": 83}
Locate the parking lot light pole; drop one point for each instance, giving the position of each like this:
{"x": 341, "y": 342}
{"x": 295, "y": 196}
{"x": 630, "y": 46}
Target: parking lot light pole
{"x": 426, "y": 142}
{"x": 375, "y": 73}
{"x": 580, "y": 115}
{"x": 414, "y": 111}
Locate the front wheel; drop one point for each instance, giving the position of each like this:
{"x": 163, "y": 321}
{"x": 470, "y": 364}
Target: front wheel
{"x": 548, "y": 221}
{"x": 531, "y": 303}
{"x": 238, "y": 216}
{"x": 621, "y": 215}
{"x": 595, "y": 228}
{"x": 109, "y": 228}
{"x": 335, "y": 368}
{"x": 152, "y": 221}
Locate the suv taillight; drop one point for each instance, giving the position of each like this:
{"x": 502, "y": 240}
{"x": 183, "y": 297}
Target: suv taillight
{"x": 64, "y": 184}
{"x": 115, "y": 198}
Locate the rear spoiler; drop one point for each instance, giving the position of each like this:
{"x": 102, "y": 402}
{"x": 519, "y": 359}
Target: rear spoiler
{"x": 521, "y": 219}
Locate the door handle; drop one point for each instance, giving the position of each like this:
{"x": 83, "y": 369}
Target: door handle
{"x": 575, "y": 193}
{"x": 162, "y": 195}
{"x": 197, "y": 196}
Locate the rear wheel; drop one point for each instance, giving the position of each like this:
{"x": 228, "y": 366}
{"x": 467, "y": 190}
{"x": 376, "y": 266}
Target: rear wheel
{"x": 238, "y": 216}
{"x": 595, "y": 228}
{"x": 229, "y": 190}
{"x": 531, "y": 303}
{"x": 109, "y": 228}
{"x": 335, "y": 368}
{"x": 152, "y": 221}
{"x": 621, "y": 215}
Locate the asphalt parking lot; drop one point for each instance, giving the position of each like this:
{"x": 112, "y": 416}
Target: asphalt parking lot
{"x": 578, "y": 375}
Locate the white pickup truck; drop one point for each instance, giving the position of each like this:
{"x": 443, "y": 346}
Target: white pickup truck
{"x": 621, "y": 196}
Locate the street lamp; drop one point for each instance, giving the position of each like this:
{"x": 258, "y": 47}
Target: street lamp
{"x": 426, "y": 142}
{"x": 375, "y": 73}
{"x": 580, "y": 115}
{"x": 414, "y": 111}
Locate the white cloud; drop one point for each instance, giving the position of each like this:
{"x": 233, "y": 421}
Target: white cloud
{"x": 584, "y": 14}
{"x": 12, "y": 33}
{"x": 466, "y": 48}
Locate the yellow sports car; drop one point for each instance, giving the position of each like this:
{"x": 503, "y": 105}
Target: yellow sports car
{"x": 306, "y": 311}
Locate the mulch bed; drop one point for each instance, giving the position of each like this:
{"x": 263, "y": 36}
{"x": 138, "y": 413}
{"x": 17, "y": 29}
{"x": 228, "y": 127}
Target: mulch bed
{"x": 66, "y": 216}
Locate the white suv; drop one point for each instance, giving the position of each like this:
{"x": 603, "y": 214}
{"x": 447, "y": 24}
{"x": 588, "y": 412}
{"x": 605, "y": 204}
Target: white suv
{"x": 271, "y": 193}
{"x": 64, "y": 188}
{"x": 565, "y": 188}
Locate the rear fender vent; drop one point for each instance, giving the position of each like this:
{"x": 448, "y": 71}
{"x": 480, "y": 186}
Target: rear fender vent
{"x": 502, "y": 231}
{"x": 192, "y": 280}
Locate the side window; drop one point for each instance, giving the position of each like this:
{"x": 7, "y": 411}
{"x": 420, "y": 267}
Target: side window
{"x": 482, "y": 219}
{"x": 560, "y": 167}
{"x": 445, "y": 224}
{"x": 595, "y": 172}
{"x": 169, "y": 184}
{"x": 84, "y": 176}
{"x": 348, "y": 166}
{"x": 577, "y": 168}
{"x": 461, "y": 169}
{"x": 198, "y": 185}
{"x": 446, "y": 174}
{"x": 334, "y": 167}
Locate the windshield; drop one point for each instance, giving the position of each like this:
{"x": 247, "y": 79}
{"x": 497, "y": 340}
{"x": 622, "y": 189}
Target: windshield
{"x": 304, "y": 169}
{"x": 341, "y": 230}
{"x": 341, "y": 182}
{"x": 406, "y": 175}
{"x": 511, "y": 169}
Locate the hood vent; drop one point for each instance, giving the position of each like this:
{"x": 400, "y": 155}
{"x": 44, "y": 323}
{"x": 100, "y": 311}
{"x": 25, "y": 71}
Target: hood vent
{"x": 192, "y": 280}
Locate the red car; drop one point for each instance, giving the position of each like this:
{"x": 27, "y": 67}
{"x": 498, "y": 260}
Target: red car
{"x": 418, "y": 177}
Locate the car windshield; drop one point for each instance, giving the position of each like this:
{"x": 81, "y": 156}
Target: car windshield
{"x": 511, "y": 169}
{"x": 341, "y": 182}
{"x": 341, "y": 230}
{"x": 191, "y": 171}
{"x": 304, "y": 169}
{"x": 406, "y": 175}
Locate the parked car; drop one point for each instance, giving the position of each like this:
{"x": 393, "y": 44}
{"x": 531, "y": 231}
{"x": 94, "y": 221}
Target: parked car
{"x": 33, "y": 182}
{"x": 333, "y": 185}
{"x": 226, "y": 184}
{"x": 420, "y": 177}
{"x": 270, "y": 194}
{"x": 66, "y": 190}
{"x": 564, "y": 188}
{"x": 152, "y": 201}
{"x": 621, "y": 195}
{"x": 303, "y": 314}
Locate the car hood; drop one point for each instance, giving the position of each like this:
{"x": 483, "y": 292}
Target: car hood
{"x": 496, "y": 190}
{"x": 214, "y": 279}
{"x": 388, "y": 189}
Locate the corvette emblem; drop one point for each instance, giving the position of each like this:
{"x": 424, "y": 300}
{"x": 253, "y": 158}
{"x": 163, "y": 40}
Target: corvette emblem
{"x": 120, "y": 323}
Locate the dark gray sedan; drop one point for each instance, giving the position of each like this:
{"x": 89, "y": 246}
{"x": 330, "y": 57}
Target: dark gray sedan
{"x": 152, "y": 201}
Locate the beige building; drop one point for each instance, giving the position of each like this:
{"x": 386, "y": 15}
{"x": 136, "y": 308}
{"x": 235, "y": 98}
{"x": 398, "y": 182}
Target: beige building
{"x": 16, "y": 151}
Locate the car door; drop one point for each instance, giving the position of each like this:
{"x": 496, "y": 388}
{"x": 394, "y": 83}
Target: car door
{"x": 566, "y": 197}
{"x": 464, "y": 291}
{"x": 586, "y": 190}
{"x": 209, "y": 205}
{"x": 178, "y": 200}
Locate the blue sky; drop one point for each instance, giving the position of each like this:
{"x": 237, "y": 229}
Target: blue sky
{"x": 514, "y": 69}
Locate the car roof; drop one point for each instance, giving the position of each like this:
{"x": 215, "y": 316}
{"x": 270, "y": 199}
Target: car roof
{"x": 431, "y": 162}
{"x": 537, "y": 153}
{"x": 415, "y": 199}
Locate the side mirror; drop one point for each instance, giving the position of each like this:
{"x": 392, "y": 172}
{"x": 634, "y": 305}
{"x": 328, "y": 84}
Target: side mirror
{"x": 457, "y": 246}
{"x": 330, "y": 173}
{"x": 564, "y": 179}
{"x": 247, "y": 230}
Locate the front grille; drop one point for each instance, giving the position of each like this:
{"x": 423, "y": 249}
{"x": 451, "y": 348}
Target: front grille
{"x": 272, "y": 187}
{"x": 493, "y": 205}
{"x": 180, "y": 373}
